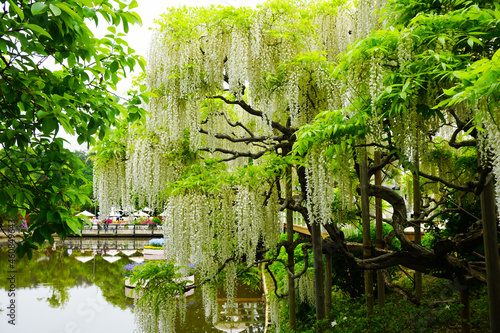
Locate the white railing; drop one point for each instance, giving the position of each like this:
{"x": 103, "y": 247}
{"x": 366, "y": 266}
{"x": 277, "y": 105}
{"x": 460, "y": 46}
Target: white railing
{"x": 298, "y": 220}
{"x": 122, "y": 228}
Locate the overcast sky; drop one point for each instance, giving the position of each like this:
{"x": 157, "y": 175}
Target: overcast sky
{"x": 138, "y": 37}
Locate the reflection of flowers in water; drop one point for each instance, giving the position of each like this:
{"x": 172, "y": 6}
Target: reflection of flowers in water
{"x": 131, "y": 266}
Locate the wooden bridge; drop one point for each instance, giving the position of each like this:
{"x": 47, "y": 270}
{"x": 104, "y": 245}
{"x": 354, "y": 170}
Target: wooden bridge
{"x": 299, "y": 225}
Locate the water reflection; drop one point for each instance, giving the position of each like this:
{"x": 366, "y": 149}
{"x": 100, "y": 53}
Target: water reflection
{"x": 78, "y": 286}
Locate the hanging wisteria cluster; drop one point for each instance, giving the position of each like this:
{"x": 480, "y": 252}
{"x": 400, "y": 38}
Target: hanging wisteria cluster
{"x": 329, "y": 181}
{"x": 109, "y": 184}
{"x": 148, "y": 321}
{"x": 491, "y": 123}
{"x": 319, "y": 186}
{"x": 220, "y": 229}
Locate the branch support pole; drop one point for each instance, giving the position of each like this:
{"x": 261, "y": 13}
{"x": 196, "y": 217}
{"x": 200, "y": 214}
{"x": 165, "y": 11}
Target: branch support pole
{"x": 379, "y": 232}
{"x": 490, "y": 236}
{"x": 290, "y": 253}
{"x": 328, "y": 283}
{"x": 416, "y": 216}
{"x": 465, "y": 313}
{"x": 318, "y": 270}
{"x": 365, "y": 215}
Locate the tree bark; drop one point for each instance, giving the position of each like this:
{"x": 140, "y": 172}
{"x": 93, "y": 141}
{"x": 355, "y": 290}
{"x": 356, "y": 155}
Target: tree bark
{"x": 290, "y": 253}
{"x": 365, "y": 215}
{"x": 416, "y": 215}
{"x": 490, "y": 235}
{"x": 328, "y": 284}
{"x": 379, "y": 233}
{"x": 465, "y": 300}
{"x": 318, "y": 270}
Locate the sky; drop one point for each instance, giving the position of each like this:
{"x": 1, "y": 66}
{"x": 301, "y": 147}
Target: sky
{"x": 139, "y": 37}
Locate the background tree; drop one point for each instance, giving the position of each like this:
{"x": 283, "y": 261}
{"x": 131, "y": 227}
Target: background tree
{"x": 55, "y": 74}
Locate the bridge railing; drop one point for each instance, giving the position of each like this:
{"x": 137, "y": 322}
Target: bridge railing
{"x": 298, "y": 220}
{"x": 116, "y": 228}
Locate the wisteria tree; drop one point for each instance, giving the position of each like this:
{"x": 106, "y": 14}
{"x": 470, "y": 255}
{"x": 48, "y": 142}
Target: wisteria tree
{"x": 238, "y": 88}
{"x": 233, "y": 87}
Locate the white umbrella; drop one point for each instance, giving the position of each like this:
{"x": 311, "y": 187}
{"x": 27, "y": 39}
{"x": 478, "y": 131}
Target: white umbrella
{"x": 111, "y": 259}
{"x": 141, "y": 214}
{"x": 128, "y": 253}
{"x": 84, "y": 258}
{"x": 137, "y": 259}
{"x": 112, "y": 252}
{"x": 85, "y": 213}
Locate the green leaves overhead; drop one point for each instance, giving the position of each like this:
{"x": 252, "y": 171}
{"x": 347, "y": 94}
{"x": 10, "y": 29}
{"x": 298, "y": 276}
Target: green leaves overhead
{"x": 333, "y": 128}
{"x": 73, "y": 92}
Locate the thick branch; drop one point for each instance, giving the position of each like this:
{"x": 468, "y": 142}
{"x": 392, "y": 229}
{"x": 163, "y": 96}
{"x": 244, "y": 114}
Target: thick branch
{"x": 244, "y": 139}
{"x": 399, "y": 216}
{"x": 237, "y": 124}
{"x": 469, "y": 187}
{"x": 252, "y": 111}
{"x": 236, "y": 154}
{"x": 466, "y": 143}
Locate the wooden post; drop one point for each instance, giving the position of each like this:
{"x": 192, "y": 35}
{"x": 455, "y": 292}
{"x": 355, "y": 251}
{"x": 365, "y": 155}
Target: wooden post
{"x": 328, "y": 284}
{"x": 318, "y": 270}
{"x": 490, "y": 236}
{"x": 416, "y": 216}
{"x": 379, "y": 233}
{"x": 290, "y": 253}
{"x": 465, "y": 300}
{"x": 365, "y": 215}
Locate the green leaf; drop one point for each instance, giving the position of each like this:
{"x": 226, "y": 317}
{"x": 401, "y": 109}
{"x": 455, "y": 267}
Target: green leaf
{"x": 18, "y": 10}
{"x": 496, "y": 55}
{"x": 133, "y": 4}
{"x": 38, "y": 8}
{"x": 74, "y": 225}
{"x": 37, "y": 28}
{"x": 114, "y": 66}
{"x": 87, "y": 3}
{"x": 69, "y": 11}
{"x": 42, "y": 114}
{"x": 55, "y": 10}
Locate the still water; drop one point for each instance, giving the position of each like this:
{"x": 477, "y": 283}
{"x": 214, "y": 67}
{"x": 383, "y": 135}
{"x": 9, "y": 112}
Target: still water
{"x": 77, "y": 287}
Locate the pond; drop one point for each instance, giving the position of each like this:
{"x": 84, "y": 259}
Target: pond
{"x": 77, "y": 286}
